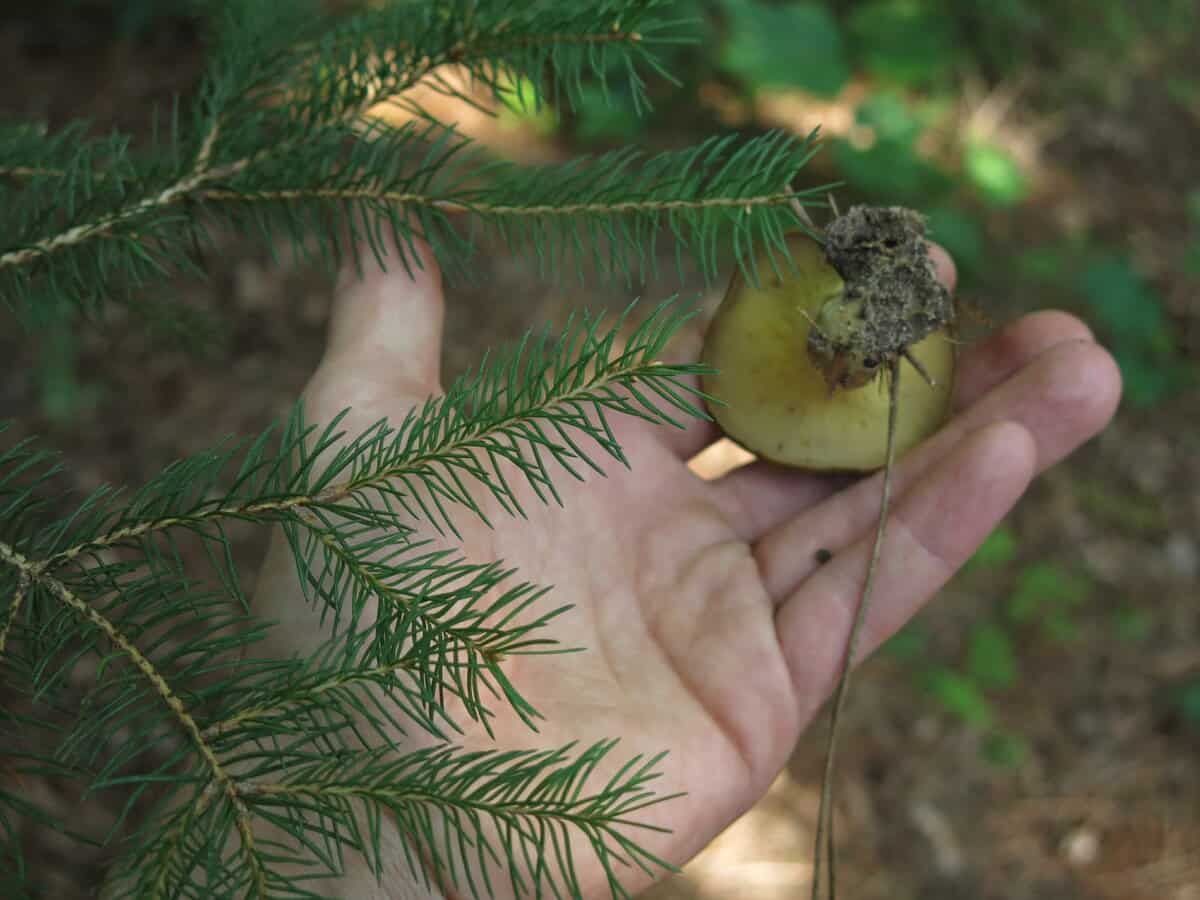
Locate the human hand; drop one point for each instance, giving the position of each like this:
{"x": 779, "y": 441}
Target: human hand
{"x": 710, "y": 628}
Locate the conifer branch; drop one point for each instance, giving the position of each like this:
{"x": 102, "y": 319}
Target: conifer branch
{"x": 438, "y": 604}
{"x": 85, "y": 231}
{"x": 410, "y": 662}
{"x": 406, "y": 74}
{"x": 551, "y": 383}
{"x": 258, "y": 144}
{"x": 14, "y": 607}
{"x": 228, "y": 786}
{"x": 204, "y": 154}
{"x": 609, "y": 211}
{"x": 441, "y": 623}
{"x": 621, "y": 207}
{"x": 30, "y": 172}
{"x": 512, "y": 810}
{"x": 279, "y": 143}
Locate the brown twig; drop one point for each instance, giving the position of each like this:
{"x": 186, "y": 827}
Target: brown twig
{"x": 824, "y": 845}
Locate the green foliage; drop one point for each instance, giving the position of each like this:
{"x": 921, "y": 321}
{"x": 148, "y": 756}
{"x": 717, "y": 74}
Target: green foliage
{"x": 1191, "y": 260}
{"x": 994, "y": 173}
{"x": 65, "y": 399}
{"x": 603, "y": 116}
{"x": 890, "y": 170}
{"x": 784, "y": 45}
{"x": 908, "y": 644}
{"x": 991, "y": 660}
{"x": 277, "y": 145}
{"x": 93, "y": 223}
{"x": 1132, "y": 624}
{"x": 1187, "y": 702}
{"x": 1130, "y": 313}
{"x": 965, "y": 692}
{"x": 1122, "y": 507}
{"x": 1193, "y": 207}
{"x": 963, "y": 237}
{"x": 449, "y": 803}
{"x": 889, "y": 165}
{"x": 890, "y": 116}
{"x": 903, "y": 41}
{"x": 960, "y": 696}
{"x": 114, "y": 570}
{"x": 998, "y": 548}
{"x": 1005, "y": 749}
{"x": 1002, "y": 34}
{"x": 1044, "y": 265}
{"x": 1048, "y": 596}
{"x": 1127, "y": 312}
{"x": 622, "y": 202}
{"x": 1045, "y": 602}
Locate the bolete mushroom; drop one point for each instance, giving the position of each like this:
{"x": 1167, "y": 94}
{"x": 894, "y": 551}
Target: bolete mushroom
{"x": 778, "y": 404}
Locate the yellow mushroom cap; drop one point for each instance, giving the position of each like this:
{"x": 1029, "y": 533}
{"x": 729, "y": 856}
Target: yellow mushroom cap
{"x": 777, "y": 404}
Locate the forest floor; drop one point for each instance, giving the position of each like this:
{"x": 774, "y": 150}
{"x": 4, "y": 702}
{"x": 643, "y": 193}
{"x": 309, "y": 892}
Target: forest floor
{"x": 1094, "y": 789}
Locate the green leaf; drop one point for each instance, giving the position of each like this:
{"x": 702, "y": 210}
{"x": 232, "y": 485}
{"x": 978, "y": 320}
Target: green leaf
{"x": 797, "y": 45}
{"x": 1132, "y": 624}
{"x": 909, "y": 643}
{"x": 890, "y": 171}
{"x": 995, "y": 174}
{"x": 1004, "y": 749}
{"x": 990, "y": 658}
{"x": 961, "y": 234}
{"x": 1187, "y": 701}
{"x": 1124, "y": 303}
{"x": 888, "y": 115}
{"x": 959, "y": 696}
{"x": 1003, "y": 34}
{"x": 998, "y": 548}
{"x": 903, "y": 41}
{"x": 1131, "y": 313}
{"x": 522, "y": 105}
{"x": 1147, "y": 382}
{"x": 1193, "y": 206}
{"x": 1046, "y": 593}
{"x": 1191, "y": 257}
{"x": 66, "y": 399}
{"x": 1121, "y": 507}
{"x": 604, "y": 116}
{"x": 1044, "y": 265}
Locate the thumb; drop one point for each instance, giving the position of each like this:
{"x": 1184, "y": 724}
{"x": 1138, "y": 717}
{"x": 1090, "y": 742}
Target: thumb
{"x": 382, "y": 357}
{"x": 385, "y": 326}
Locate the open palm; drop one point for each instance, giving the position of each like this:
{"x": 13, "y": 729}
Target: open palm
{"x": 711, "y": 628}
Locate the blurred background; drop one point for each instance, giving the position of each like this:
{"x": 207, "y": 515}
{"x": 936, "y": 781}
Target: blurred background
{"x": 1036, "y": 732}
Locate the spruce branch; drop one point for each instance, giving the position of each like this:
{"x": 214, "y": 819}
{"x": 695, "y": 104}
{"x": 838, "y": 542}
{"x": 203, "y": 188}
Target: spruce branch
{"x": 606, "y": 213}
{"x": 154, "y": 677}
{"x": 280, "y": 130}
{"x": 512, "y": 810}
{"x": 445, "y": 33}
{"x": 541, "y": 403}
{"x": 379, "y": 57}
{"x": 347, "y": 518}
{"x": 280, "y": 143}
{"x": 465, "y": 619}
{"x": 438, "y": 634}
{"x": 314, "y": 697}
